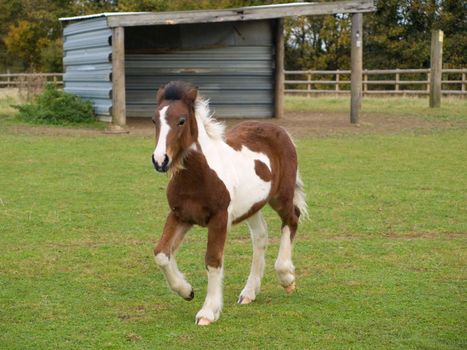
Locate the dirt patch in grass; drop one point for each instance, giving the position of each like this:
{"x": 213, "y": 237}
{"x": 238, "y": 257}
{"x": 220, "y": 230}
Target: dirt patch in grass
{"x": 309, "y": 124}
{"x": 299, "y": 124}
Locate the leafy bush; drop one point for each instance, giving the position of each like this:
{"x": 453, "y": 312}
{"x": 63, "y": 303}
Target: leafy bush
{"x": 55, "y": 106}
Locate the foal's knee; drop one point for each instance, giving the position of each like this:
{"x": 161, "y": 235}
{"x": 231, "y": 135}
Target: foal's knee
{"x": 161, "y": 258}
{"x": 213, "y": 259}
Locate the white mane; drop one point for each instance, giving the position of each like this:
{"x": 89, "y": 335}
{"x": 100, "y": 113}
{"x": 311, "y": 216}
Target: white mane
{"x": 214, "y": 128}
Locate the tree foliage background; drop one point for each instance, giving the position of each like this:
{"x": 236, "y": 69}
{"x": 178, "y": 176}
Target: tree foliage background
{"x": 397, "y": 35}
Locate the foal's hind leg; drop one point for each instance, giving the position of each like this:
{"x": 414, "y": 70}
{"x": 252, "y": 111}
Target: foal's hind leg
{"x": 259, "y": 238}
{"x": 284, "y": 267}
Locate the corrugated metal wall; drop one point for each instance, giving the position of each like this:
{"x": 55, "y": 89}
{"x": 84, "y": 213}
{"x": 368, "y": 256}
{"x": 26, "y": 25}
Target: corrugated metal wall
{"x": 87, "y": 60}
{"x": 231, "y": 63}
{"x": 237, "y": 80}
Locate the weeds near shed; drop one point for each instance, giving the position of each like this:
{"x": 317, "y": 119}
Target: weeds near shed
{"x": 54, "y": 106}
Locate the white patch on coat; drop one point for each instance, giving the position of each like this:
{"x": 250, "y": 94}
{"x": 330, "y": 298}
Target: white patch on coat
{"x": 259, "y": 239}
{"x": 299, "y": 198}
{"x": 284, "y": 267}
{"x": 236, "y": 169}
{"x": 212, "y": 306}
{"x": 174, "y": 277}
{"x": 161, "y": 148}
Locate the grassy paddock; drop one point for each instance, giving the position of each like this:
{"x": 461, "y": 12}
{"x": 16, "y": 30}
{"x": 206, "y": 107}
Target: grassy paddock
{"x": 452, "y": 108}
{"x": 380, "y": 264}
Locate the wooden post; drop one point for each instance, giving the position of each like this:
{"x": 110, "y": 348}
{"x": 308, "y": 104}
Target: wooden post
{"x": 428, "y": 84}
{"x": 337, "y": 82}
{"x": 279, "y": 93}
{"x": 308, "y": 86}
{"x": 365, "y": 85}
{"x": 436, "y": 67}
{"x": 118, "y": 81}
{"x": 464, "y": 78}
{"x": 356, "y": 64}
{"x": 397, "y": 79}
{"x": 8, "y": 79}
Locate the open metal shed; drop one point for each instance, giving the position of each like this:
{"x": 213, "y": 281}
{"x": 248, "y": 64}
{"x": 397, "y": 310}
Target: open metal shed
{"x": 235, "y": 56}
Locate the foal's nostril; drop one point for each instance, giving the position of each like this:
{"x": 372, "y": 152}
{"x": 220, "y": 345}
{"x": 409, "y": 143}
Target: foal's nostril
{"x": 166, "y": 161}
{"x": 162, "y": 167}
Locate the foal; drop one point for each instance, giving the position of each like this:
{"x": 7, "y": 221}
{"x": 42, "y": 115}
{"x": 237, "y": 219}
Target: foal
{"x": 217, "y": 180}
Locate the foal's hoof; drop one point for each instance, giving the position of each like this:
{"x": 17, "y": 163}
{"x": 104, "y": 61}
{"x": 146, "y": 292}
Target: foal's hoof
{"x": 190, "y": 298}
{"x": 290, "y": 288}
{"x": 244, "y": 300}
{"x": 203, "y": 321}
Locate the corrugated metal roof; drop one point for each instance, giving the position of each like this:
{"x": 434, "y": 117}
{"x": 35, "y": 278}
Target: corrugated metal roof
{"x": 97, "y": 15}
{"x": 124, "y": 19}
{"x": 262, "y": 7}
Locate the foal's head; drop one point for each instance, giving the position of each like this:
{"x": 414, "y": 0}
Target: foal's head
{"x": 175, "y": 123}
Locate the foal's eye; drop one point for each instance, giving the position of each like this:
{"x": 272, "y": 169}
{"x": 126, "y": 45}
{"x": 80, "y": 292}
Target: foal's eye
{"x": 181, "y": 121}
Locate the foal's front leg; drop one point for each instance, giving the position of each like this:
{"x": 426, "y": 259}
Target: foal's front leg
{"x": 174, "y": 232}
{"x": 217, "y": 233}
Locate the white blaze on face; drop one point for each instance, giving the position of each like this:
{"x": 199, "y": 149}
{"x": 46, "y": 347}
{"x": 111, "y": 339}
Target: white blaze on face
{"x": 161, "y": 148}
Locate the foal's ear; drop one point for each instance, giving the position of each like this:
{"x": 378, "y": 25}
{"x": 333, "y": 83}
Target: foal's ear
{"x": 160, "y": 94}
{"x": 191, "y": 94}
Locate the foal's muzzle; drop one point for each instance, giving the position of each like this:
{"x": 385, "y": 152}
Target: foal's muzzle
{"x": 162, "y": 168}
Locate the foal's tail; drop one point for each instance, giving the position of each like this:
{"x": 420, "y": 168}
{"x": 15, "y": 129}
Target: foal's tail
{"x": 299, "y": 198}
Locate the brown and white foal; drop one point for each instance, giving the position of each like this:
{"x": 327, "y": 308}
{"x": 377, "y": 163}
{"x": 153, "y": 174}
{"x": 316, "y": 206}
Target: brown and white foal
{"x": 218, "y": 180}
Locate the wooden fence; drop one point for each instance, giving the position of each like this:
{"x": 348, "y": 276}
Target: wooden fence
{"x": 387, "y": 81}
{"x": 19, "y": 80}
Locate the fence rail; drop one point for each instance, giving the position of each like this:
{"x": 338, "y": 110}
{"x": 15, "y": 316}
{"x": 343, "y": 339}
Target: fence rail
{"x": 17, "y": 80}
{"x": 386, "y": 81}
{"x": 378, "y": 81}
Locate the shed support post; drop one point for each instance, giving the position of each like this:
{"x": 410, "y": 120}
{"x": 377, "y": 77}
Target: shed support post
{"x": 279, "y": 88}
{"x": 118, "y": 81}
{"x": 436, "y": 67}
{"x": 357, "y": 68}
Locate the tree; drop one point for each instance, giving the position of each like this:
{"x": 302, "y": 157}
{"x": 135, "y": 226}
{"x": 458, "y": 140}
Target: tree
{"x": 23, "y": 41}
{"x": 397, "y": 35}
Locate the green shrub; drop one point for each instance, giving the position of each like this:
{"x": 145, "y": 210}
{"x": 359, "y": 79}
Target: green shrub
{"x": 55, "y": 106}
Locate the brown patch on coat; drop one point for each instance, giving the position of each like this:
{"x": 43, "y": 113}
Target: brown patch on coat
{"x": 172, "y": 235}
{"x": 262, "y": 171}
{"x": 217, "y": 235}
{"x": 196, "y": 195}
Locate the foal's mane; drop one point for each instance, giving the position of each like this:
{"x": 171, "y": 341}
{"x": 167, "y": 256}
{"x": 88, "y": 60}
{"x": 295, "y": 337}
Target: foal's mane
{"x": 214, "y": 129}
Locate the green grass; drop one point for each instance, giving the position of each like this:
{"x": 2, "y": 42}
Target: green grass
{"x": 380, "y": 264}
{"x": 452, "y": 108}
